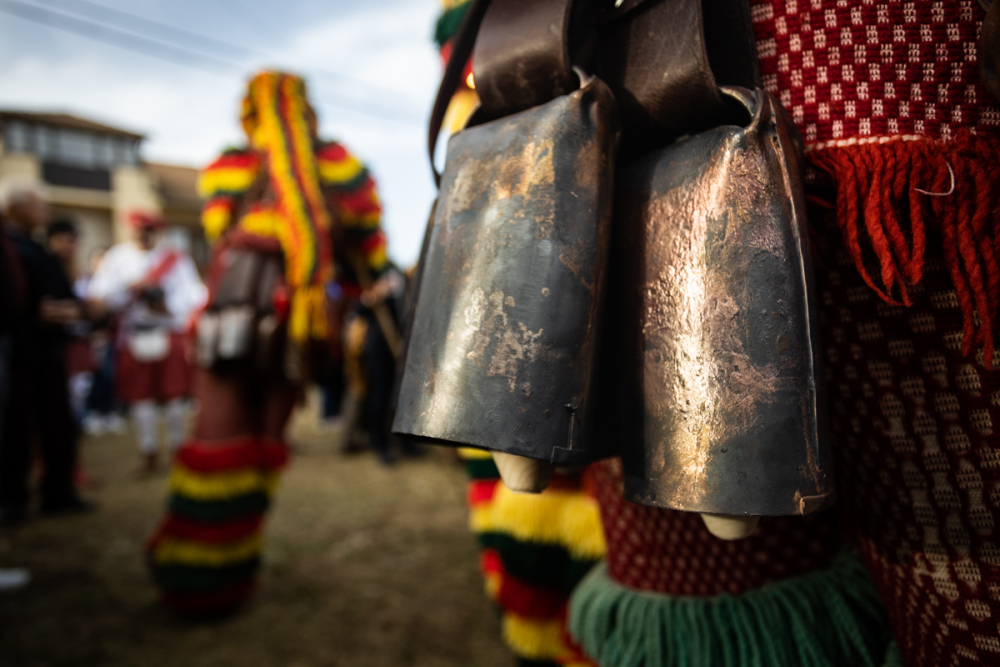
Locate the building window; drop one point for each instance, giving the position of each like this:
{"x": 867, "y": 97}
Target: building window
{"x": 69, "y": 147}
{"x": 76, "y": 177}
{"x": 76, "y": 148}
{"x": 16, "y": 136}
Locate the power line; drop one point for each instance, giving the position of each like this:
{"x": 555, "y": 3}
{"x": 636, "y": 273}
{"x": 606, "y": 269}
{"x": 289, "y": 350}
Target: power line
{"x": 158, "y": 49}
{"x": 130, "y": 21}
{"x": 111, "y": 15}
{"x": 116, "y": 37}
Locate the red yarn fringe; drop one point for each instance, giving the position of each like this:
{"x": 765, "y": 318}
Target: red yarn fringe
{"x": 895, "y": 188}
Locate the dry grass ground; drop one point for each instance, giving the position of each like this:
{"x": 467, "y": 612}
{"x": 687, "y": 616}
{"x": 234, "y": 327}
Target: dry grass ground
{"x": 364, "y": 567}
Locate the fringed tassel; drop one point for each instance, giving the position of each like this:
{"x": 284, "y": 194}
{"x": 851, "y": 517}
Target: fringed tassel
{"x": 823, "y": 619}
{"x": 890, "y": 189}
{"x": 205, "y": 554}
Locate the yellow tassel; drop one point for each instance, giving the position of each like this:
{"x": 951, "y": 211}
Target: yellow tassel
{"x": 183, "y": 552}
{"x": 341, "y": 171}
{"x": 462, "y": 104}
{"x": 262, "y": 221}
{"x": 225, "y": 179}
{"x": 215, "y": 220}
{"x": 308, "y": 314}
{"x": 569, "y": 519}
{"x": 533, "y": 639}
{"x": 471, "y": 454}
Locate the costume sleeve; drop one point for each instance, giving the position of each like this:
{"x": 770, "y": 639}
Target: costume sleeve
{"x": 106, "y": 285}
{"x": 354, "y": 199}
{"x": 221, "y": 184}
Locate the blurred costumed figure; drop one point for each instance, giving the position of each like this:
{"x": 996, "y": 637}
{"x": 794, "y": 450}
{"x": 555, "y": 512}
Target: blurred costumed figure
{"x": 534, "y": 548}
{"x": 296, "y": 222}
{"x": 154, "y": 289}
{"x": 901, "y": 139}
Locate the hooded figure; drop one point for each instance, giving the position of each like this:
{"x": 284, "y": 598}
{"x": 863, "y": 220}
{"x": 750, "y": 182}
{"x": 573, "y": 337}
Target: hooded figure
{"x": 294, "y": 221}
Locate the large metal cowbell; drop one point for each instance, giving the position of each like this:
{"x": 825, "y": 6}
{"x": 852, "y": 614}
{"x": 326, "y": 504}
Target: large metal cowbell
{"x": 714, "y": 322}
{"x": 504, "y": 337}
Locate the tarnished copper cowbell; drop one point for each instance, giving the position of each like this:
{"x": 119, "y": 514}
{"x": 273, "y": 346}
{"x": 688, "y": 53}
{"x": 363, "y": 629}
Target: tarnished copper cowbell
{"x": 503, "y": 339}
{"x": 722, "y": 407}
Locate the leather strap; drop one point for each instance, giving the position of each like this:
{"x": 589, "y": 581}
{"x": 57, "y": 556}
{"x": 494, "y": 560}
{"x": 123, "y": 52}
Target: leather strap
{"x": 665, "y": 61}
{"x": 464, "y": 40}
{"x": 522, "y": 57}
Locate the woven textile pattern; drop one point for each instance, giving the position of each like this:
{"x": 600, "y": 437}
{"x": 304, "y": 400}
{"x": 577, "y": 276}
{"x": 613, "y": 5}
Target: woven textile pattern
{"x": 915, "y": 426}
{"x": 671, "y": 552}
{"x": 873, "y": 67}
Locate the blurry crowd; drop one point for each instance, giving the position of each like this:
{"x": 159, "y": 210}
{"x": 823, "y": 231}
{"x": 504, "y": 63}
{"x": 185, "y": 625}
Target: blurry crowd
{"x": 84, "y": 349}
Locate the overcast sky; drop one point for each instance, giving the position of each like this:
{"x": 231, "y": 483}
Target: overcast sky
{"x": 371, "y": 66}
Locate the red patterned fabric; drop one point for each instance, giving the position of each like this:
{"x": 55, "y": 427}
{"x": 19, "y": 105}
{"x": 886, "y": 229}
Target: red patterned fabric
{"x": 915, "y": 410}
{"x": 915, "y": 425}
{"x": 666, "y": 551}
{"x": 874, "y": 67}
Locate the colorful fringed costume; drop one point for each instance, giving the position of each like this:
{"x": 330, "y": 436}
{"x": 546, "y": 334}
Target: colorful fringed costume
{"x": 535, "y": 550}
{"x": 313, "y": 207}
{"x": 904, "y": 182}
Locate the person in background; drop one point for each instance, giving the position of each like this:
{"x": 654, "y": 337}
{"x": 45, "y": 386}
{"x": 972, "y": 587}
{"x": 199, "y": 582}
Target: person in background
{"x": 12, "y": 302}
{"x": 154, "y": 289}
{"x": 310, "y": 210}
{"x": 62, "y": 244}
{"x": 38, "y": 401}
{"x": 101, "y": 411}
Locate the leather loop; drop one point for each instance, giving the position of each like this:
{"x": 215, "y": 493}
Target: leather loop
{"x": 665, "y": 61}
{"x": 522, "y": 57}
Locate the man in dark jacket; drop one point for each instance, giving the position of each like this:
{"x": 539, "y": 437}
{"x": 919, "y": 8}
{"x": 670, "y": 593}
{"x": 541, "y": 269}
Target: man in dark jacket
{"x": 38, "y": 400}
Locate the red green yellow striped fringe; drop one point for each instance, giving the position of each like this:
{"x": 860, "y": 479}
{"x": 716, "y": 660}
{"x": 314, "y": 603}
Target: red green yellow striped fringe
{"x": 206, "y": 553}
{"x": 535, "y": 549}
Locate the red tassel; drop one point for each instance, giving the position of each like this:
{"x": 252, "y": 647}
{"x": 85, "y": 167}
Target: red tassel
{"x": 894, "y": 187}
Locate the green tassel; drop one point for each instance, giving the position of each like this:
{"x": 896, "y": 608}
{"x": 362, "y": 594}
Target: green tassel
{"x": 828, "y": 618}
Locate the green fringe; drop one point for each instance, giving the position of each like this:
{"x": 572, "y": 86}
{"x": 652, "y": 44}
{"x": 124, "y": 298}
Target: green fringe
{"x": 481, "y": 469}
{"x": 829, "y": 618}
{"x": 217, "y": 511}
{"x": 448, "y": 23}
{"x": 893, "y": 658}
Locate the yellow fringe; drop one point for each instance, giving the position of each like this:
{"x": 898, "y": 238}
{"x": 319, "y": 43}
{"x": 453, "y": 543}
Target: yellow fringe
{"x": 471, "y": 454}
{"x": 342, "y": 171}
{"x": 215, "y": 220}
{"x": 377, "y": 259}
{"x": 308, "y": 314}
{"x": 535, "y": 640}
{"x": 566, "y": 518}
{"x": 262, "y": 221}
{"x": 492, "y": 583}
{"x": 222, "y": 485}
{"x": 183, "y": 552}
{"x": 225, "y": 179}
{"x": 463, "y": 104}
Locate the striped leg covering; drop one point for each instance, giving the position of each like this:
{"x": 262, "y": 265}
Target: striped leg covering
{"x": 205, "y": 555}
{"x": 534, "y": 551}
